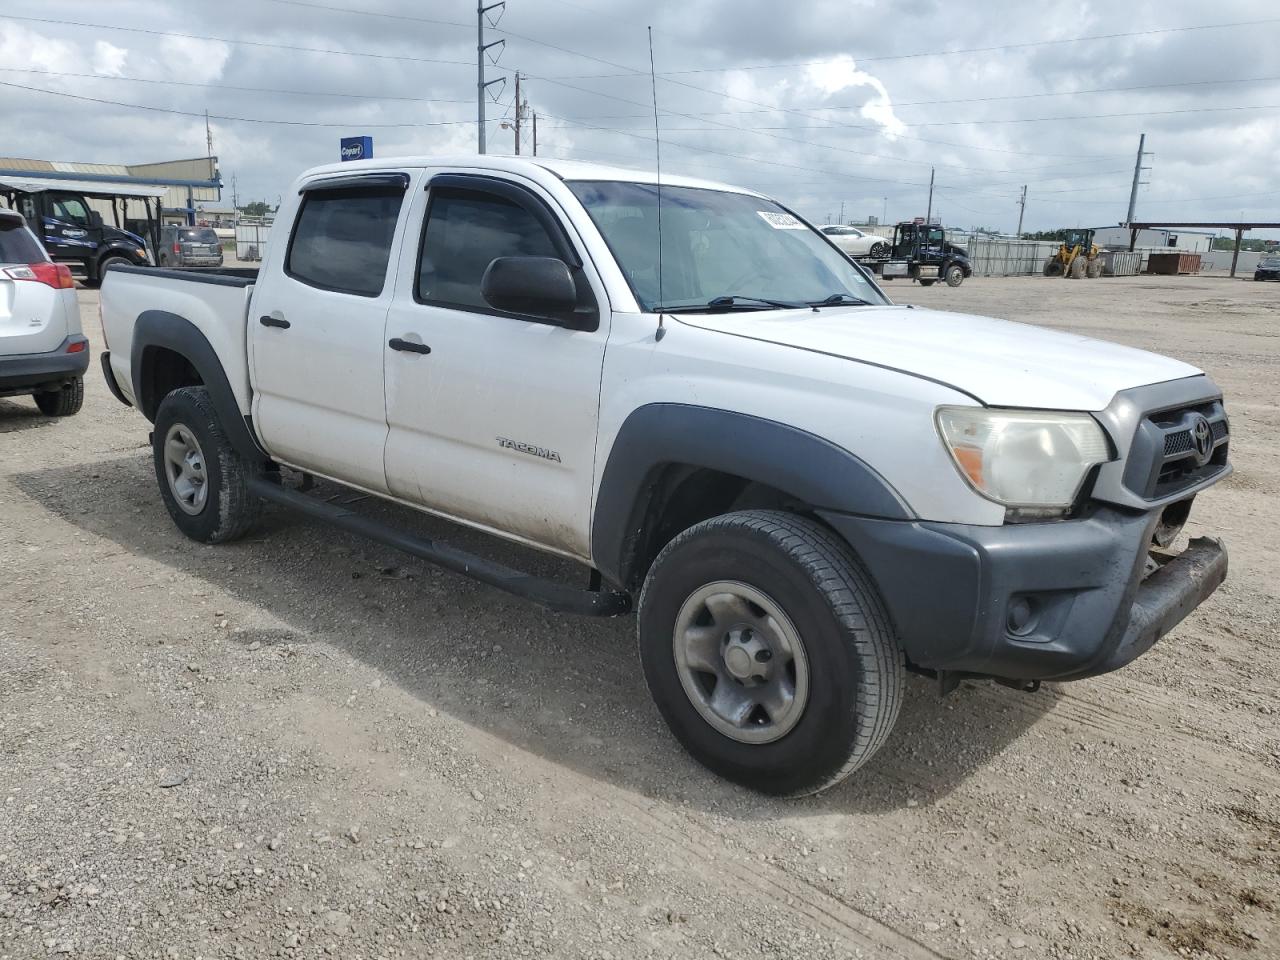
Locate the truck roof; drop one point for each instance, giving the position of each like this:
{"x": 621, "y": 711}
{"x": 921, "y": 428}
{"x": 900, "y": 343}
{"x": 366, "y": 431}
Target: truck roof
{"x": 535, "y": 168}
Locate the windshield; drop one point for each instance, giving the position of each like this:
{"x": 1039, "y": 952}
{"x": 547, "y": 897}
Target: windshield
{"x": 717, "y": 244}
{"x": 1270, "y": 262}
{"x": 198, "y": 235}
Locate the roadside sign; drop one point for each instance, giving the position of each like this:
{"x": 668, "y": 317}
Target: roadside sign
{"x": 356, "y": 148}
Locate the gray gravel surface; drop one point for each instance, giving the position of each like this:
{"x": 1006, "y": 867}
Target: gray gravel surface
{"x": 303, "y": 745}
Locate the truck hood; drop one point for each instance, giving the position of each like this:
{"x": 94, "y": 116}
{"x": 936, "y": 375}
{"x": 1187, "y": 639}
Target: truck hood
{"x": 1000, "y": 362}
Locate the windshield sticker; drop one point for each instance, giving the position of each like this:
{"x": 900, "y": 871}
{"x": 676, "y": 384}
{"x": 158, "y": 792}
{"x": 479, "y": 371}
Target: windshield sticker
{"x": 780, "y": 221}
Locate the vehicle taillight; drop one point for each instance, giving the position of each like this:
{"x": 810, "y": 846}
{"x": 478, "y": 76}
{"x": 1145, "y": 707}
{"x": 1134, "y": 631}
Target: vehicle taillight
{"x": 77, "y": 346}
{"x": 176, "y": 247}
{"x": 56, "y": 275}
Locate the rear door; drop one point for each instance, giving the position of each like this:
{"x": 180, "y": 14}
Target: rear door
{"x": 316, "y": 328}
{"x": 32, "y": 313}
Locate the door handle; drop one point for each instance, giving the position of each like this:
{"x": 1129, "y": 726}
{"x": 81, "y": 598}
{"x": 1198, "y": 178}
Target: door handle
{"x": 270, "y": 321}
{"x": 408, "y": 346}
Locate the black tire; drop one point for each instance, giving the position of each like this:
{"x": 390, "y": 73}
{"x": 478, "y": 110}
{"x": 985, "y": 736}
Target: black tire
{"x": 1053, "y": 267}
{"x": 62, "y": 403}
{"x": 1078, "y": 269}
{"x": 94, "y": 280}
{"x": 229, "y": 509}
{"x": 955, "y": 275}
{"x": 1094, "y": 269}
{"x": 879, "y": 250}
{"x": 855, "y": 672}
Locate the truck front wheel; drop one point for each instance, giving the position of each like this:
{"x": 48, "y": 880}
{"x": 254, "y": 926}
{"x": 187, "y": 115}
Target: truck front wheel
{"x": 204, "y": 481}
{"x": 769, "y": 652}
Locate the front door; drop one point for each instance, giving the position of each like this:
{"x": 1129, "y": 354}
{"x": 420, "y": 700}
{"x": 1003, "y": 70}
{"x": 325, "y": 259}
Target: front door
{"x": 69, "y": 230}
{"x": 496, "y": 426}
{"x": 316, "y": 329}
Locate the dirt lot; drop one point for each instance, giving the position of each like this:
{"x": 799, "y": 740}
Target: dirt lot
{"x": 302, "y": 745}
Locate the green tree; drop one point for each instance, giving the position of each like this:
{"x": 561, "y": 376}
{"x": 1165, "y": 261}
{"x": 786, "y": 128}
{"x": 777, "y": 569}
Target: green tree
{"x": 258, "y": 208}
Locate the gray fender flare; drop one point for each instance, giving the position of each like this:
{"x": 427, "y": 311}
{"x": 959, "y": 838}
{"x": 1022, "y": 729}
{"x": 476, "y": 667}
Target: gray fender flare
{"x": 798, "y": 463}
{"x": 159, "y": 328}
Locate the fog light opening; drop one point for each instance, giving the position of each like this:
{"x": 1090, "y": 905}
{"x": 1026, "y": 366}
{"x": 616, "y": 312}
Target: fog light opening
{"x": 1022, "y": 615}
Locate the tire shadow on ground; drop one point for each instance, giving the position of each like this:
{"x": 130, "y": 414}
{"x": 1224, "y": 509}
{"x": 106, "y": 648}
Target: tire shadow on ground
{"x": 18, "y": 414}
{"x": 566, "y": 688}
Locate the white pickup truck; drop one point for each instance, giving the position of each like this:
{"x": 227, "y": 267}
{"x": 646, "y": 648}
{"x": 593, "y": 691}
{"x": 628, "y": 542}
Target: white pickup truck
{"x": 804, "y": 489}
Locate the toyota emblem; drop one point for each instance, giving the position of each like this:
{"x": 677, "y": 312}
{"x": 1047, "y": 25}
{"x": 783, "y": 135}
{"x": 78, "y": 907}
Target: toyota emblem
{"x": 1202, "y": 440}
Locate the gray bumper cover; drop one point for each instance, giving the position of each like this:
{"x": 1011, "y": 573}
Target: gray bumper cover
{"x": 31, "y": 370}
{"x": 949, "y": 589}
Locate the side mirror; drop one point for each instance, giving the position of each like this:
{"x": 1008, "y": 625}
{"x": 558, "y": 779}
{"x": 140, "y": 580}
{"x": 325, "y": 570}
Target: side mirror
{"x": 95, "y": 219}
{"x": 538, "y": 286}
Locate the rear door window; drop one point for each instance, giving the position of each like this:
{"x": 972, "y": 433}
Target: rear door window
{"x": 17, "y": 245}
{"x": 342, "y": 239}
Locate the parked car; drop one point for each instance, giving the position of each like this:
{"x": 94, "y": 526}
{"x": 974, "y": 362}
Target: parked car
{"x": 856, "y": 243}
{"x": 43, "y": 353}
{"x": 183, "y": 246}
{"x": 803, "y": 488}
{"x": 1268, "y": 269}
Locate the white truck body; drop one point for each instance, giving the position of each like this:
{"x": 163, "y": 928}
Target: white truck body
{"x": 539, "y": 431}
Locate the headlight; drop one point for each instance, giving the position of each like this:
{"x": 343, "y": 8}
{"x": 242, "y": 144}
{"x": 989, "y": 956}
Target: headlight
{"x": 1031, "y": 461}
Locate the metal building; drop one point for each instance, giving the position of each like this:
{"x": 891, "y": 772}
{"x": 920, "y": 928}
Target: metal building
{"x": 185, "y": 183}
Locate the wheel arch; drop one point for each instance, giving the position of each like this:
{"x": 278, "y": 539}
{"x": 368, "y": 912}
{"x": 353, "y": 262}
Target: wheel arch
{"x": 169, "y": 351}
{"x": 672, "y": 465}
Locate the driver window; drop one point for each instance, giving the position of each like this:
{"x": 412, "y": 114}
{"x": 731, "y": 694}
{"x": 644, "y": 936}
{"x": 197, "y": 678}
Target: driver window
{"x": 70, "y": 208}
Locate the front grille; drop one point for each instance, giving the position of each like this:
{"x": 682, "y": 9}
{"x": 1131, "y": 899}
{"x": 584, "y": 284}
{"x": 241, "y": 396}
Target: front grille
{"x": 1163, "y": 460}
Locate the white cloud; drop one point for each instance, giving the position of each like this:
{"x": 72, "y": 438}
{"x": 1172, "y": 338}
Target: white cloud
{"x": 842, "y": 74}
{"x": 108, "y": 59}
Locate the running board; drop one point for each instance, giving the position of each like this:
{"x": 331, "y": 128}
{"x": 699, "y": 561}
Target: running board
{"x": 554, "y": 596}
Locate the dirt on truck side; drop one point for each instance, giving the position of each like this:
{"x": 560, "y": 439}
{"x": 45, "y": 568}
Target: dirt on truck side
{"x": 305, "y": 745}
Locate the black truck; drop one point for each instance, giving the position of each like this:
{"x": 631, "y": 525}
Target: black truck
{"x": 75, "y": 234}
{"x": 921, "y": 252}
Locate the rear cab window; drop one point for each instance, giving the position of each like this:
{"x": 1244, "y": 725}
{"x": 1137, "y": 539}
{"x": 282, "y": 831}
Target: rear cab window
{"x": 197, "y": 235}
{"x": 18, "y": 244}
{"x": 342, "y": 237}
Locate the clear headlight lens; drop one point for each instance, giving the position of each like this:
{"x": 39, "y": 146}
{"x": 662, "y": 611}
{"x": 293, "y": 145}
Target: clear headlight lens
{"x": 1032, "y": 461}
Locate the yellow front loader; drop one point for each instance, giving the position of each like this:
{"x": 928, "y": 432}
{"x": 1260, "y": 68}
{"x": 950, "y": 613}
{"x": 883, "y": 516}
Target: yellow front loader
{"x": 1078, "y": 257}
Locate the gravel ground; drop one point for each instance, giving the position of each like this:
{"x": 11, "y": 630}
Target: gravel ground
{"x": 304, "y": 745}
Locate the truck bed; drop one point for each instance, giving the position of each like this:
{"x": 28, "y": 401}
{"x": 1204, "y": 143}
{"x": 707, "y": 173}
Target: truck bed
{"x": 215, "y": 300}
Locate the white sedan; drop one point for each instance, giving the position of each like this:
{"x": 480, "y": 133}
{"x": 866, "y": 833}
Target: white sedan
{"x": 856, "y": 243}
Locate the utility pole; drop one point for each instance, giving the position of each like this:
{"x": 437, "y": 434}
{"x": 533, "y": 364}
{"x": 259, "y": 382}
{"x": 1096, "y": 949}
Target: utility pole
{"x": 535, "y": 133}
{"x": 884, "y": 210}
{"x": 519, "y": 110}
{"x": 1022, "y": 208}
{"x": 208, "y": 134}
{"x": 842, "y": 211}
{"x": 481, "y": 85}
{"x": 1137, "y": 178}
{"x": 928, "y": 216}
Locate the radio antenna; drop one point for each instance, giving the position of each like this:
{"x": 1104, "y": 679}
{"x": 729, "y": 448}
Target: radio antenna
{"x": 657, "y": 150}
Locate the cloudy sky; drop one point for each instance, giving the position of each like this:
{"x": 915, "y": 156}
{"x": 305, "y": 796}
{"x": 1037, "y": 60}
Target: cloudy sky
{"x": 820, "y": 103}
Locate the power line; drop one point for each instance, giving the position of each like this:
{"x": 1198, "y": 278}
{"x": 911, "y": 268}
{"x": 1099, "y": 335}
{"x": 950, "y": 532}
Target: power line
{"x": 228, "y": 86}
{"x": 215, "y": 116}
{"x": 945, "y": 53}
{"x": 245, "y": 43}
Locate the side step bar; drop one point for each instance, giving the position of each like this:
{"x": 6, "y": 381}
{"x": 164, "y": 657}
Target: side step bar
{"x": 554, "y": 596}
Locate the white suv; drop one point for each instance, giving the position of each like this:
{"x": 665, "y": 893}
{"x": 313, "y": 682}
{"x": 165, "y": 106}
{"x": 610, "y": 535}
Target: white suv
{"x": 43, "y": 352}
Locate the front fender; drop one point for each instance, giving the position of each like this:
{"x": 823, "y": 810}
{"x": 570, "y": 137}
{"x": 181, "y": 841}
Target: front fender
{"x": 800, "y": 464}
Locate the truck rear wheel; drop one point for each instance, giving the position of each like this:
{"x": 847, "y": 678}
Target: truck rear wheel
{"x": 955, "y": 275}
{"x": 204, "y": 481}
{"x": 769, "y": 652}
